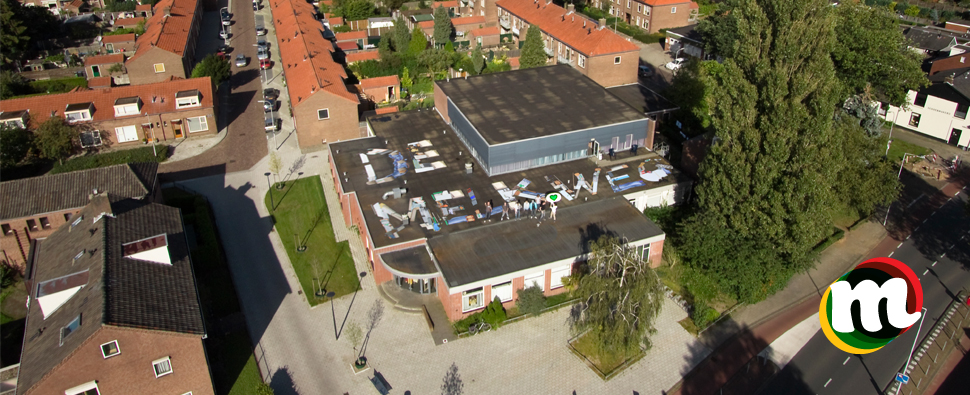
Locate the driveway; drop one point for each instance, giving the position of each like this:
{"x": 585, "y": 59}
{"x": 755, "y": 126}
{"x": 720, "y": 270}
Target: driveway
{"x": 239, "y": 113}
{"x": 654, "y": 55}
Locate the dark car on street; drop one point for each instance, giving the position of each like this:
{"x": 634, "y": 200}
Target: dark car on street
{"x": 270, "y": 94}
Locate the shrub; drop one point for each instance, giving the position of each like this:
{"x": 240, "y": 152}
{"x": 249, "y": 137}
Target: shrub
{"x": 531, "y": 301}
{"x": 263, "y": 389}
{"x": 703, "y": 315}
{"x": 143, "y": 154}
{"x": 494, "y": 313}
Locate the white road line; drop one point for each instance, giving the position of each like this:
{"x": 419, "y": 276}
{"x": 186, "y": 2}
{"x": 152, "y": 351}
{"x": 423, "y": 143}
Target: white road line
{"x": 907, "y": 237}
{"x": 900, "y": 245}
{"x": 944, "y": 254}
{"x": 924, "y": 221}
{"x": 846, "y": 361}
{"x": 891, "y": 254}
{"x": 934, "y": 263}
{"x": 914, "y": 230}
{"x": 915, "y": 200}
{"x": 951, "y": 247}
{"x": 827, "y": 382}
{"x": 927, "y": 271}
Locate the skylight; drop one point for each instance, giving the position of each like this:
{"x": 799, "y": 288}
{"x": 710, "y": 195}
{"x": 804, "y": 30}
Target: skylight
{"x": 52, "y": 294}
{"x": 152, "y": 249}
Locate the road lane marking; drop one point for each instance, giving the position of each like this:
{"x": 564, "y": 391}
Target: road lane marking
{"x": 900, "y": 245}
{"x": 951, "y": 247}
{"x": 924, "y": 221}
{"x": 927, "y": 271}
{"x": 827, "y": 382}
{"x": 915, "y": 200}
{"x": 891, "y": 254}
{"x": 914, "y": 230}
{"x": 944, "y": 254}
{"x": 846, "y": 360}
{"x": 934, "y": 263}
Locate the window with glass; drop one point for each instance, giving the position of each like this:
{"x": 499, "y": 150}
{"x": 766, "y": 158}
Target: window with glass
{"x": 70, "y": 328}
{"x": 78, "y": 116}
{"x": 159, "y": 67}
{"x": 323, "y": 114}
{"x": 557, "y": 276}
{"x": 914, "y": 120}
{"x": 110, "y": 349}
{"x": 197, "y": 124}
{"x": 536, "y": 280}
{"x": 472, "y": 299}
{"x": 126, "y": 134}
{"x": 616, "y": 60}
{"x": 920, "y": 100}
{"x": 961, "y": 111}
{"x": 502, "y": 291}
{"x": 89, "y": 388}
{"x": 162, "y": 366}
{"x": 673, "y": 10}
{"x": 643, "y": 252}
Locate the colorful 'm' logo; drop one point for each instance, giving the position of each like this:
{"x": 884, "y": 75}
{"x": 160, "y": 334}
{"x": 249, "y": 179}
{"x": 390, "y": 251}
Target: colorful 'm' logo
{"x": 864, "y": 327}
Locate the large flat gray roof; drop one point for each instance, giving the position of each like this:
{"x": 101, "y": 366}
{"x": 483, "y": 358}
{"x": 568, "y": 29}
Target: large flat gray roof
{"x": 543, "y": 101}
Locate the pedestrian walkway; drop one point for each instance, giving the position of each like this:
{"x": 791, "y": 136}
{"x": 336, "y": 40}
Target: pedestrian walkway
{"x": 941, "y": 148}
{"x": 193, "y": 146}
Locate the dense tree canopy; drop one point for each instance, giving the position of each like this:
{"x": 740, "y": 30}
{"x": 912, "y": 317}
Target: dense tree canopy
{"x": 55, "y": 139}
{"x": 442, "y": 27}
{"x": 478, "y": 61}
{"x": 400, "y": 36}
{"x": 533, "y": 50}
{"x": 15, "y": 146}
{"x": 213, "y": 67}
{"x": 419, "y": 42}
{"x": 353, "y": 10}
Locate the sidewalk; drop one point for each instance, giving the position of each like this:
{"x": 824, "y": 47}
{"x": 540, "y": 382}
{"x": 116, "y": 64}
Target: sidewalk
{"x": 943, "y": 149}
{"x": 751, "y": 329}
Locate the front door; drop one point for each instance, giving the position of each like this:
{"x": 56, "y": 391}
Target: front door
{"x": 111, "y": 47}
{"x": 96, "y": 71}
{"x": 177, "y": 128}
{"x": 146, "y": 129}
{"x": 955, "y": 136}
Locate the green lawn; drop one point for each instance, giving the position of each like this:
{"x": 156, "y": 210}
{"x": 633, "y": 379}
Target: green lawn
{"x": 606, "y": 363}
{"x": 301, "y": 212}
{"x": 234, "y": 368}
{"x": 899, "y": 147}
{"x": 90, "y": 161}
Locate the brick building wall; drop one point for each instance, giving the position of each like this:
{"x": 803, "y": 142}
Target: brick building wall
{"x": 653, "y": 18}
{"x": 161, "y": 127}
{"x": 606, "y": 72}
{"x": 342, "y": 124}
{"x": 17, "y": 233}
{"x": 131, "y": 371}
{"x": 441, "y": 104}
{"x": 142, "y": 70}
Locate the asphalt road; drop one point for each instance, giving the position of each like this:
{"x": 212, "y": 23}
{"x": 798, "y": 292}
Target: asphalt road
{"x": 938, "y": 251}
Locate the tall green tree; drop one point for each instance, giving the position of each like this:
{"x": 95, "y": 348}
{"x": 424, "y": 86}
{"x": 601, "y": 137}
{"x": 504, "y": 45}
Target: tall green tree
{"x": 763, "y": 195}
{"x": 400, "y": 36}
{"x": 13, "y": 37}
{"x": 15, "y": 146}
{"x": 533, "y": 50}
{"x": 55, "y": 139}
{"x": 406, "y": 80}
{"x": 620, "y": 297}
{"x": 478, "y": 60}
{"x": 419, "y": 42}
{"x": 213, "y": 67}
{"x": 13, "y": 84}
{"x": 442, "y": 27}
{"x": 384, "y": 47}
{"x": 870, "y": 50}
{"x": 354, "y": 10}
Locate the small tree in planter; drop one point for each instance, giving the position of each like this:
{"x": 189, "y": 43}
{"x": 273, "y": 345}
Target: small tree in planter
{"x": 356, "y": 335}
{"x": 275, "y": 166}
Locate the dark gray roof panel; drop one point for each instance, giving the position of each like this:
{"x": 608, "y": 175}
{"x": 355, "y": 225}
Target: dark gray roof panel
{"x": 643, "y": 98}
{"x": 543, "y": 101}
{"x": 506, "y": 247}
{"x": 412, "y": 261}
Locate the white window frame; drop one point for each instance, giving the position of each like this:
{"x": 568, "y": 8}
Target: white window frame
{"x": 541, "y": 276}
{"x": 83, "y": 389}
{"x": 69, "y": 324}
{"x": 159, "y": 361}
{"x": 639, "y": 7}
{"x": 616, "y": 60}
{"x": 467, "y": 295}
{"x": 582, "y": 61}
{"x": 556, "y": 282}
{"x": 95, "y": 133}
{"x": 501, "y": 289}
{"x": 124, "y": 132}
{"x": 673, "y": 10}
{"x": 85, "y": 116}
{"x": 155, "y": 66}
{"x": 324, "y": 118}
{"x": 190, "y": 101}
{"x": 117, "y": 348}
{"x": 646, "y": 24}
{"x": 127, "y": 110}
{"x": 202, "y": 120}
{"x": 643, "y": 252}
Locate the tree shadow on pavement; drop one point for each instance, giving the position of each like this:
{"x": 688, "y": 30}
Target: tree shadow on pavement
{"x": 282, "y": 382}
{"x": 238, "y": 103}
{"x": 940, "y": 242}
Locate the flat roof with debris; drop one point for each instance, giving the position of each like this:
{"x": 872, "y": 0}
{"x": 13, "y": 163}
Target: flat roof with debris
{"x": 414, "y": 169}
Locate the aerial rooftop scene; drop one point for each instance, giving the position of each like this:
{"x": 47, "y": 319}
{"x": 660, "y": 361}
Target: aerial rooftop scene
{"x": 690, "y": 197}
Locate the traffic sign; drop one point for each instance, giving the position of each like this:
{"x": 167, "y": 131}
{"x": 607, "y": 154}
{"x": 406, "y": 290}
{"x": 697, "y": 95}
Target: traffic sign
{"x": 902, "y": 378}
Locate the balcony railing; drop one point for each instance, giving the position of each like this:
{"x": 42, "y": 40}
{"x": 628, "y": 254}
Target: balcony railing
{"x": 549, "y": 52}
{"x": 515, "y": 31}
{"x": 565, "y": 60}
{"x": 505, "y": 23}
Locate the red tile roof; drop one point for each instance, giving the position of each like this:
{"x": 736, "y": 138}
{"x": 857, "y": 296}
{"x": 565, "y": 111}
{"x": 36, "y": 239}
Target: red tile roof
{"x": 377, "y": 82}
{"x": 99, "y": 82}
{"x": 361, "y": 56}
{"x": 104, "y": 59}
{"x": 446, "y": 4}
{"x": 168, "y": 33}
{"x": 468, "y": 20}
{"x": 118, "y": 38}
{"x": 76, "y": 4}
{"x": 143, "y": 7}
{"x": 486, "y": 31}
{"x": 348, "y": 36}
{"x": 103, "y": 99}
{"x": 386, "y": 110}
{"x": 348, "y": 46}
{"x": 128, "y": 21}
{"x": 307, "y": 59}
{"x": 552, "y": 20}
{"x": 426, "y": 24}
{"x": 336, "y": 21}
{"x": 655, "y": 3}
{"x": 514, "y": 62}
{"x": 694, "y": 6}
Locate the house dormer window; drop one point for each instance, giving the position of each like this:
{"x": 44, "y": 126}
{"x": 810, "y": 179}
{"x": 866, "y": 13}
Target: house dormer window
{"x": 127, "y": 106}
{"x": 185, "y": 99}
{"x": 78, "y": 112}
{"x": 14, "y": 119}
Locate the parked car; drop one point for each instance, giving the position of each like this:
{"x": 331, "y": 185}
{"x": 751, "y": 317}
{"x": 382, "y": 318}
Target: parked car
{"x": 223, "y": 51}
{"x": 262, "y": 53}
{"x": 265, "y": 64}
{"x": 271, "y": 123}
{"x": 269, "y": 105}
{"x": 260, "y": 31}
{"x": 270, "y": 94}
{"x": 241, "y": 60}
{"x": 261, "y": 43}
{"x": 255, "y": 6}
{"x": 226, "y": 18}
{"x": 675, "y": 64}
{"x": 223, "y": 34}
{"x": 645, "y": 71}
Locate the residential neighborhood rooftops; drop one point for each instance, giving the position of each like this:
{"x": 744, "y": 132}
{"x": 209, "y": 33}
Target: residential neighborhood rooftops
{"x": 485, "y": 31}
{"x": 437, "y": 146}
{"x": 168, "y": 30}
{"x": 953, "y": 85}
{"x": 929, "y": 39}
{"x": 104, "y": 59}
{"x": 118, "y": 38}
{"x": 108, "y": 282}
{"x": 468, "y": 20}
{"x": 64, "y": 191}
{"x": 575, "y": 30}
{"x": 689, "y": 32}
{"x": 156, "y": 98}
{"x": 306, "y": 56}
{"x": 529, "y": 103}
{"x": 128, "y": 21}
{"x": 481, "y": 253}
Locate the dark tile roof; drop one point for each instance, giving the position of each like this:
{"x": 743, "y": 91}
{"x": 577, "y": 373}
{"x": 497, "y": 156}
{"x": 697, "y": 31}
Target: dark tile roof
{"x": 689, "y": 32}
{"x": 38, "y": 195}
{"x": 643, "y": 99}
{"x": 411, "y": 261}
{"x": 119, "y": 291}
{"x": 537, "y": 102}
{"x": 507, "y": 247}
{"x": 929, "y": 39}
{"x": 395, "y": 131}
{"x": 956, "y": 90}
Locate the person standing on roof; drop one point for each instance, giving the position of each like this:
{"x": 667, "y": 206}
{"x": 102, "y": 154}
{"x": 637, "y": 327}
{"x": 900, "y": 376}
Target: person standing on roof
{"x": 552, "y": 211}
{"x": 505, "y": 211}
{"x": 542, "y": 211}
{"x": 516, "y": 206}
{"x": 488, "y": 209}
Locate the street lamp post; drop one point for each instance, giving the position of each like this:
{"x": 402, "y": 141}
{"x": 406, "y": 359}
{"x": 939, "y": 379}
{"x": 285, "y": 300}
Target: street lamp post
{"x": 891, "y": 126}
{"x": 269, "y": 186}
{"x": 918, "y": 329}
{"x": 901, "y": 166}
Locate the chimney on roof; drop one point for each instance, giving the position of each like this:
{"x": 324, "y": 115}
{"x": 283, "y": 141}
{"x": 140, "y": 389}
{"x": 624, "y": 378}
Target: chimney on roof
{"x": 602, "y": 22}
{"x": 949, "y": 79}
{"x": 548, "y": 2}
{"x": 168, "y": 12}
{"x": 570, "y": 8}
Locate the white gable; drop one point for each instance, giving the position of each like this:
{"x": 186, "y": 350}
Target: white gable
{"x": 157, "y": 255}
{"x": 50, "y": 303}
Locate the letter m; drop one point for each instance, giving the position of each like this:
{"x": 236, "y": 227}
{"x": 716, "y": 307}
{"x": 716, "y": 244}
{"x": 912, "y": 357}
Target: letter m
{"x": 869, "y": 295}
